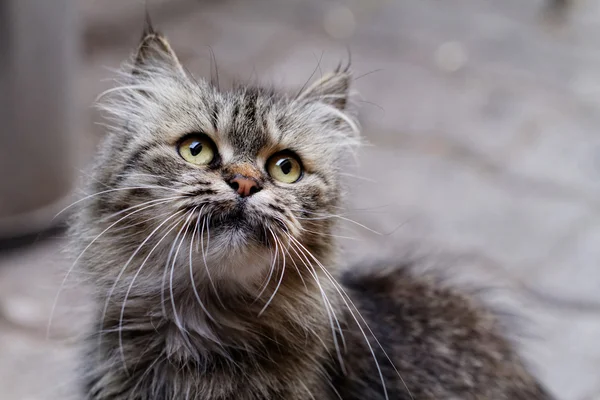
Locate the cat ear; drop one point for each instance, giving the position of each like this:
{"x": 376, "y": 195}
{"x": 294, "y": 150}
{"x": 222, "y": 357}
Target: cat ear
{"x": 332, "y": 89}
{"x": 154, "y": 51}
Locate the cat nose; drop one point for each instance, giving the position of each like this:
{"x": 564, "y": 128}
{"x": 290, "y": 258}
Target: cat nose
{"x": 244, "y": 186}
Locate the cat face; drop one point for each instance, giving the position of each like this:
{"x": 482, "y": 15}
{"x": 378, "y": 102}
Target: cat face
{"x": 239, "y": 173}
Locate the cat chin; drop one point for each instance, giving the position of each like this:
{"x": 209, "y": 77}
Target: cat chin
{"x": 238, "y": 250}
{"x": 235, "y": 239}
{"x": 238, "y": 255}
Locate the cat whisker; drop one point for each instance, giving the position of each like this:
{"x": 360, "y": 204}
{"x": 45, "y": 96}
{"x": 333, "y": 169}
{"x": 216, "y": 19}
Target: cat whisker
{"x": 314, "y": 274}
{"x": 281, "y": 223}
{"x": 178, "y": 323}
{"x": 70, "y": 270}
{"x": 194, "y": 288}
{"x": 157, "y": 201}
{"x": 368, "y": 73}
{"x": 104, "y": 192}
{"x": 135, "y": 233}
{"x": 280, "y": 279}
{"x": 330, "y": 235}
{"x": 130, "y": 174}
{"x": 170, "y": 257}
{"x": 377, "y": 106}
{"x": 139, "y": 270}
{"x": 271, "y": 270}
{"x": 346, "y": 299}
{"x": 365, "y": 209}
{"x": 296, "y": 267}
{"x": 391, "y": 232}
{"x": 344, "y": 219}
{"x": 362, "y": 178}
{"x": 321, "y": 214}
{"x": 122, "y": 271}
{"x": 144, "y": 175}
{"x": 304, "y": 252}
{"x": 328, "y": 306}
{"x": 211, "y": 281}
{"x": 89, "y": 176}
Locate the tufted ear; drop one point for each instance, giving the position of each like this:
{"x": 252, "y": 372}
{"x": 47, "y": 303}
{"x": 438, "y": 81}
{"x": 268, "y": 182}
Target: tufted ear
{"x": 332, "y": 89}
{"x": 155, "y": 52}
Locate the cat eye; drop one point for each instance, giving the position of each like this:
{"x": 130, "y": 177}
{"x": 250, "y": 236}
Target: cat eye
{"x": 285, "y": 167}
{"x": 197, "y": 149}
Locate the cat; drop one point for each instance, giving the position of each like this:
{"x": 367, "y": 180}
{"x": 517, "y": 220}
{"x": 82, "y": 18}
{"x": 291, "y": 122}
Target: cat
{"x": 208, "y": 242}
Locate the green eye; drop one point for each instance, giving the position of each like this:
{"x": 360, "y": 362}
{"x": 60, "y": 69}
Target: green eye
{"x": 285, "y": 167}
{"x": 197, "y": 149}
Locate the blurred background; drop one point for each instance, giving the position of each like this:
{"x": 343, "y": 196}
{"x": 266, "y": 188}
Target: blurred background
{"x": 483, "y": 119}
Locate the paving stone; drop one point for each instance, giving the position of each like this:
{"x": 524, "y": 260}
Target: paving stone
{"x": 32, "y": 368}
{"x": 29, "y": 291}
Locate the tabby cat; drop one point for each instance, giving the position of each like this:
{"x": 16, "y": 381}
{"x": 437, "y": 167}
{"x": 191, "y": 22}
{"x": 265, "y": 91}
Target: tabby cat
{"x": 208, "y": 238}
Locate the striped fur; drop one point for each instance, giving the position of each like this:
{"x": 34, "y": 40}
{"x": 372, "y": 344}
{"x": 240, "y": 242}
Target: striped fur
{"x": 202, "y": 295}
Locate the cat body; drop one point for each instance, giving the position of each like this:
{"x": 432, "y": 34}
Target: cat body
{"x": 442, "y": 346}
{"x": 208, "y": 240}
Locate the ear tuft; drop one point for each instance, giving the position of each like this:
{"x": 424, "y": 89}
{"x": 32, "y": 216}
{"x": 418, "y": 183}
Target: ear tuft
{"x": 148, "y": 26}
{"x": 332, "y": 89}
{"x": 155, "y": 51}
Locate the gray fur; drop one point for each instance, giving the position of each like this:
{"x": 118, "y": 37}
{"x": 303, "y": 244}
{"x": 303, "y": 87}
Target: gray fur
{"x": 203, "y": 295}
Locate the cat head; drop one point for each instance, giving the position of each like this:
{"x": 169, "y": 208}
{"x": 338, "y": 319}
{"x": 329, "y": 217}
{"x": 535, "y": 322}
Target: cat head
{"x": 238, "y": 176}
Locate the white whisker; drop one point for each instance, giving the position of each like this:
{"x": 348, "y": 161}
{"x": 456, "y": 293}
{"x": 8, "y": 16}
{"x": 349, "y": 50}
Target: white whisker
{"x": 342, "y": 218}
{"x": 61, "y": 287}
{"x": 280, "y": 279}
{"x": 295, "y": 265}
{"x": 346, "y": 298}
{"x": 363, "y": 178}
{"x": 109, "y": 191}
{"x": 184, "y": 228}
{"x": 157, "y": 201}
{"x": 194, "y": 288}
{"x": 271, "y": 270}
{"x": 328, "y": 306}
{"x": 330, "y": 235}
{"x": 212, "y": 283}
{"x": 139, "y": 270}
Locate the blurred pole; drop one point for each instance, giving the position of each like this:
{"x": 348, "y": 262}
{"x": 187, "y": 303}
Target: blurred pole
{"x": 38, "y": 67}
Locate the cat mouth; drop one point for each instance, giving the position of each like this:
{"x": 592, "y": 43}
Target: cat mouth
{"x": 236, "y": 221}
{"x": 236, "y": 218}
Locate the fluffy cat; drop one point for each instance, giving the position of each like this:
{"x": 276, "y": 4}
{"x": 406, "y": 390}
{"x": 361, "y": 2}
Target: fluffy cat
{"x": 208, "y": 241}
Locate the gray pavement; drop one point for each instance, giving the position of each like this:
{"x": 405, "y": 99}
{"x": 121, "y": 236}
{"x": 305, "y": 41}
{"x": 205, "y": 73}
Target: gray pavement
{"x": 483, "y": 121}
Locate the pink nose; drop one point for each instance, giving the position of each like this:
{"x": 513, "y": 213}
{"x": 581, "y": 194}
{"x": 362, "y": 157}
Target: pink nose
{"x": 244, "y": 186}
